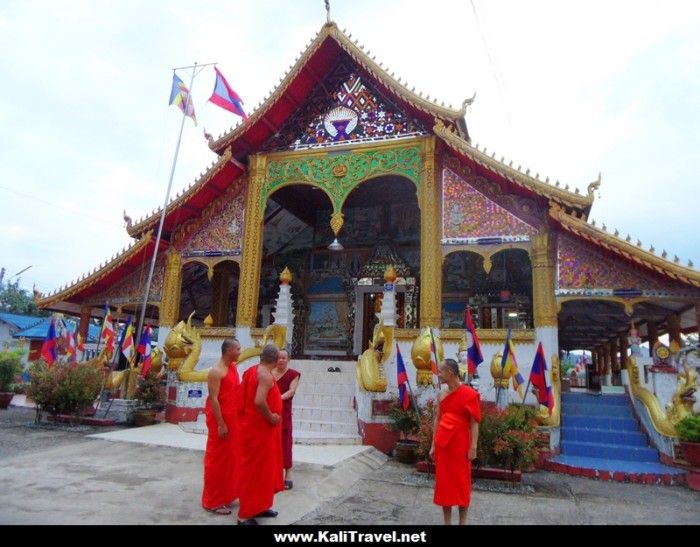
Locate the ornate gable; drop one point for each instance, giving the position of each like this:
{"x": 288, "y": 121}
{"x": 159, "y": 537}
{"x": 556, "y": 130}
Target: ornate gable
{"x": 583, "y": 268}
{"x": 345, "y": 107}
{"x": 471, "y": 215}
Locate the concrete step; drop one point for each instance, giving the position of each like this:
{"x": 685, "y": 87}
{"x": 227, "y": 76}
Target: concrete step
{"x": 600, "y": 422}
{"x": 318, "y": 437}
{"x": 587, "y": 435}
{"x": 317, "y": 413}
{"x": 323, "y": 400}
{"x": 609, "y": 451}
{"x": 324, "y": 426}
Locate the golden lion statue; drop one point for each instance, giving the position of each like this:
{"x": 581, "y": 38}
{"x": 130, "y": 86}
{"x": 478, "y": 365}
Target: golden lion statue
{"x": 370, "y": 365}
{"x": 421, "y": 355}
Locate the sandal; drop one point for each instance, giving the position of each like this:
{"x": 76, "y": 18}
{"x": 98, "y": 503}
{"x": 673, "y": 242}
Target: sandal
{"x": 223, "y": 510}
{"x": 288, "y": 485}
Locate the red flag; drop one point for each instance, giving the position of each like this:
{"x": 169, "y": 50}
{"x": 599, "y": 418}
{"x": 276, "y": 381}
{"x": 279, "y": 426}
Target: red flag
{"x": 402, "y": 379}
{"x": 474, "y": 355}
{"x": 433, "y": 354}
{"x": 48, "y": 348}
{"x": 107, "y": 332}
{"x": 539, "y": 379}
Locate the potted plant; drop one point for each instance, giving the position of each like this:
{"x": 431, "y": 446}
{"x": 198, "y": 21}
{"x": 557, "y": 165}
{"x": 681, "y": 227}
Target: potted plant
{"x": 150, "y": 394}
{"x": 407, "y": 423}
{"x": 688, "y": 430}
{"x": 10, "y": 367}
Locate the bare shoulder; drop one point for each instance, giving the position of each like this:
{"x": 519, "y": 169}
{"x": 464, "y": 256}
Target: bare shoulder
{"x": 215, "y": 373}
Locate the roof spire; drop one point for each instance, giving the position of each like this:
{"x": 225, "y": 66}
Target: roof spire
{"x": 328, "y": 11}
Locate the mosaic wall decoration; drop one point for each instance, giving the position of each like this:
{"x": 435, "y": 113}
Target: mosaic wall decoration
{"x": 467, "y": 213}
{"x": 581, "y": 266}
{"x": 219, "y": 229}
{"x": 345, "y": 108}
{"x": 132, "y": 287}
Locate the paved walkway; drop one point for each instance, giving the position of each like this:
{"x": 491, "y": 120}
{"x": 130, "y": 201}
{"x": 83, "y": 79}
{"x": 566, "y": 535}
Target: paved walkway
{"x": 61, "y": 475}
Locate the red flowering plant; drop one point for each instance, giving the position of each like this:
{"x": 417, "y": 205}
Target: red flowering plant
{"x": 425, "y": 429}
{"x": 507, "y": 438}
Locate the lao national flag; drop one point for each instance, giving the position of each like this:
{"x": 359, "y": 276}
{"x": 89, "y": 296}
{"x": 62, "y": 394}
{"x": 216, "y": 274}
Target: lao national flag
{"x": 48, "y": 348}
{"x": 225, "y": 97}
{"x": 539, "y": 379}
{"x": 144, "y": 349}
{"x": 402, "y": 378}
{"x": 474, "y": 355}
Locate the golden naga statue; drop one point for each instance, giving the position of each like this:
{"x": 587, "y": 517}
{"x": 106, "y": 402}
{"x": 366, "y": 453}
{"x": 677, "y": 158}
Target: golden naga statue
{"x": 183, "y": 346}
{"x": 274, "y": 334}
{"x": 422, "y": 356}
{"x": 123, "y": 379}
{"x": 370, "y": 365}
{"x": 659, "y": 419}
{"x": 683, "y": 399}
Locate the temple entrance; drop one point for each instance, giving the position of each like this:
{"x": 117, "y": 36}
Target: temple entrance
{"x": 336, "y": 289}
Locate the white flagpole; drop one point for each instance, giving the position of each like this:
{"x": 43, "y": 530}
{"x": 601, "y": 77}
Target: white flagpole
{"x": 167, "y": 197}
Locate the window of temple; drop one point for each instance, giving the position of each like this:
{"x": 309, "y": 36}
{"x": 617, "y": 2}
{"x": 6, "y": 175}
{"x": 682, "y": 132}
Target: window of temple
{"x": 500, "y": 298}
{"x": 196, "y": 293}
{"x": 217, "y": 296}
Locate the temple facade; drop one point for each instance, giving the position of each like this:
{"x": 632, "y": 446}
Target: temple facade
{"x": 341, "y": 172}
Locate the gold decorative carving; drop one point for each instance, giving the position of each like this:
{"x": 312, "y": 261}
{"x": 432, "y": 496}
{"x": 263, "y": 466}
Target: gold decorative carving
{"x": 248, "y": 286}
{"x": 627, "y": 303}
{"x": 501, "y": 374}
{"x": 430, "y": 227}
{"x": 286, "y": 276}
{"x": 337, "y": 220}
{"x": 658, "y": 417}
{"x": 172, "y": 285}
{"x": 183, "y": 346}
{"x": 340, "y": 170}
{"x": 390, "y": 274}
{"x": 545, "y": 308}
{"x": 275, "y": 334}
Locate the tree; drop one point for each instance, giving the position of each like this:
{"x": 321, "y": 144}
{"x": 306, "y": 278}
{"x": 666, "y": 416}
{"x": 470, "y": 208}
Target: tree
{"x": 13, "y": 299}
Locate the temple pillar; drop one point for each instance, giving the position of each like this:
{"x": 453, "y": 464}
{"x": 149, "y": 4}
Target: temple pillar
{"x": 622, "y": 342}
{"x": 614, "y": 363}
{"x": 429, "y": 201}
{"x": 607, "y": 364}
{"x": 674, "y": 332}
{"x": 543, "y": 259}
{"x": 251, "y": 256}
{"x": 219, "y": 296}
{"x": 169, "y": 312}
{"x": 652, "y": 336}
{"x": 85, "y": 314}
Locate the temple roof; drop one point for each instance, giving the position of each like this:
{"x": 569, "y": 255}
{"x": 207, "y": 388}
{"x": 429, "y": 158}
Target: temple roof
{"x": 624, "y": 247}
{"x": 562, "y": 196}
{"x": 104, "y": 275}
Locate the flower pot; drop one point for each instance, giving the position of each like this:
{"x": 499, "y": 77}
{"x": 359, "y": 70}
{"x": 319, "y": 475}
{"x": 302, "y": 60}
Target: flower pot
{"x": 144, "y": 417}
{"x": 5, "y": 398}
{"x": 691, "y": 453}
{"x": 405, "y": 451}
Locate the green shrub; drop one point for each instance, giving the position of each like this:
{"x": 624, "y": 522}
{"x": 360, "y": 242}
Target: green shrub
{"x": 507, "y": 438}
{"x": 150, "y": 392}
{"x": 688, "y": 429}
{"x": 63, "y": 388}
{"x": 10, "y": 367}
{"x": 406, "y": 422}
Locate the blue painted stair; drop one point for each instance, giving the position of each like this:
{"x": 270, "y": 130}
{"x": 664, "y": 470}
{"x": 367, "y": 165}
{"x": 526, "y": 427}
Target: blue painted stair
{"x": 600, "y": 433}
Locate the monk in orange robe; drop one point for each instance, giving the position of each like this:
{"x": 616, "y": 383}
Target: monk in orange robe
{"x": 221, "y": 456}
{"x": 454, "y": 442}
{"x": 261, "y": 440}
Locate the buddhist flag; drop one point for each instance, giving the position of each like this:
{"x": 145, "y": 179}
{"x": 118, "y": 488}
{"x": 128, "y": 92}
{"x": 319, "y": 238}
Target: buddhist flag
{"x": 402, "y": 379}
{"x": 71, "y": 346}
{"x": 144, "y": 349}
{"x": 128, "y": 340}
{"x": 225, "y": 97}
{"x": 474, "y": 355}
{"x": 181, "y": 97}
{"x": 48, "y": 348}
{"x": 80, "y": 341}
{"x": 107, "y": 332}
{"x": 540, "y": 380}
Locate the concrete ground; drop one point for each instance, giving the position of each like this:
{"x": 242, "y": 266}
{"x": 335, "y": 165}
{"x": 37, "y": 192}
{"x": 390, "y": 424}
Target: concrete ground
{"x": 57, "y": 474}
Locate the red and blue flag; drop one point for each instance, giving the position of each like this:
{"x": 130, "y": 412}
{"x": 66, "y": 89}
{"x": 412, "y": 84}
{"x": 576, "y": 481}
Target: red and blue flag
{"x": 474, "y": 355}
{"x": 402, "y": 378}
{"x": 540, "y": 380}
{"x": 48, "y": 348}
{"x": 144, "y": 349}
{"x": 225, "y": 97}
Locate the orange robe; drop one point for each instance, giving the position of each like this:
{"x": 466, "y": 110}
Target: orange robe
{"x": 453, "y": 484}
{"x": 261, "y": 449}
{"x": 221, "y": 456}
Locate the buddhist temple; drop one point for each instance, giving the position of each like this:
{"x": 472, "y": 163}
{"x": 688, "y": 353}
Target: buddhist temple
{"x": 374, "y": 197}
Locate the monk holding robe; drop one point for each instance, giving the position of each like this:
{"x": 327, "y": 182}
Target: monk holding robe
{"x": 261, "y": 440}
{"x": 454, "y": 442}
{"x": 221, "y": 456}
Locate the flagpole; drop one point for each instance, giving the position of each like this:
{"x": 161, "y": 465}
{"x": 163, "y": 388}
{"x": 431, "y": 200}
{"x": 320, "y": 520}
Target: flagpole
{"x": 167, "y": 196}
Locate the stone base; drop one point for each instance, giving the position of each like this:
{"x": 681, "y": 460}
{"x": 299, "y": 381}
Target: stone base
{"x": 186, "y": 400}
{"x": 120, "y": 410}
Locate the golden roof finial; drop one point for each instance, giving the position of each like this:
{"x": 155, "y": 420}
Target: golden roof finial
{"x": 286, "y": 276}
{"x": 209, "y": 321}
{"x": 390, "y": 274}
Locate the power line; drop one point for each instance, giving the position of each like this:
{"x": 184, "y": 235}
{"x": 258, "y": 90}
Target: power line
{"x": 56, "y": 206}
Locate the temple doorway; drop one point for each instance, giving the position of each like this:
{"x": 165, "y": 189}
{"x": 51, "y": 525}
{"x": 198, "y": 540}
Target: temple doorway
{"x": 336, "y": 289}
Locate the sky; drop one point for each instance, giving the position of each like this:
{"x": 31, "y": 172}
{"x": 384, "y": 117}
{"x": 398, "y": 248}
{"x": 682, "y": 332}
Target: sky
{"x": 565, "y": 89}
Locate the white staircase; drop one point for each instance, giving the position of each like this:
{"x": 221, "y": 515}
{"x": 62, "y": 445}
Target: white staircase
{"x": 323, "y": 410}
